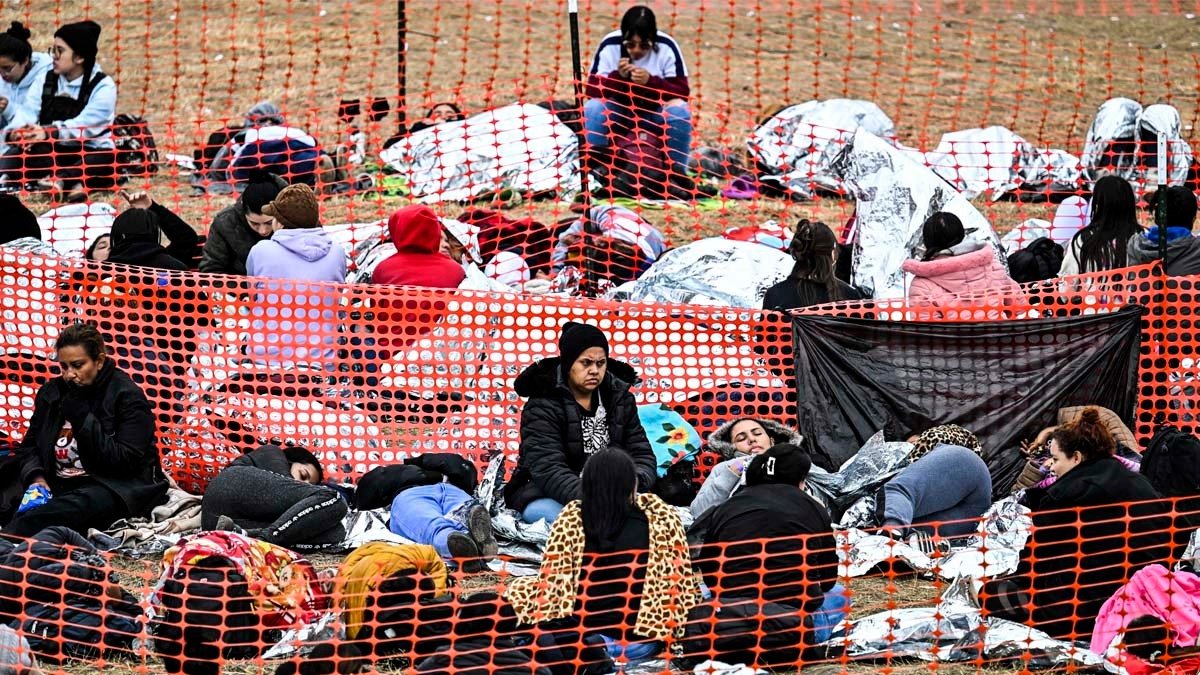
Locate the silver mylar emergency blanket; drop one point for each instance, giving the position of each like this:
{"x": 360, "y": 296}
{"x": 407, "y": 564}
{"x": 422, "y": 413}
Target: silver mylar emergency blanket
{"x": 1112, "y": 143}
{"x": 798, "y": 143}
{"x": 874, "y": 463}
{"x": 713, "y": 271}
{"x": 895, "y": 196}
{"x": 73, "y": 227}
{"x": 999, "y": 161}
{"x": 521, "y": 147}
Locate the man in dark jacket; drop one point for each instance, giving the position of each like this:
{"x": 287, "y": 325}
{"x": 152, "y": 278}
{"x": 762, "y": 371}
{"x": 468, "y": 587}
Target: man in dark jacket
{"x": 1183, "y": 248}
{"x": 106, "y": 467}
{"x": 770, "y": 558}
{"x": 579, "y": 404}
{"x": 275, "y": 494}
{"x": 237, "y": 228}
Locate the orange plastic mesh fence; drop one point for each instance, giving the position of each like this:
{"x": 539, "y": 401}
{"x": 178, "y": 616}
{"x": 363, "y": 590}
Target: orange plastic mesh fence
{"x": 194, "y": 70}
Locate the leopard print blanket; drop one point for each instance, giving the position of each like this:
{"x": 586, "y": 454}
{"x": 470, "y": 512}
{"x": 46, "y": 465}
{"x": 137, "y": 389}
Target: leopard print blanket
{"x": 946, "y": 434}
{"x": 671, "y": 589}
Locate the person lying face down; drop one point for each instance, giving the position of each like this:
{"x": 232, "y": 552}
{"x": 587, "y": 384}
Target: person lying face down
{"x": 738, "y": 442}
{"x": 276, "y": 495}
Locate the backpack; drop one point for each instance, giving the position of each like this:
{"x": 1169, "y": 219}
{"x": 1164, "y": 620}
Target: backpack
{"x": 137, "y": 152}
{"x": 642, "y": 170}
{"x": 1172, "y": 462}
{"x": 1039, "y": 261}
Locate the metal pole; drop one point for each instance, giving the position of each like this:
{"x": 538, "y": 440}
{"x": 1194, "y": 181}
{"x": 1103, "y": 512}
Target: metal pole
{"x": 401, "y": 59}
{"x": 1160, "y": 211}
{"x": 588, "y": 285}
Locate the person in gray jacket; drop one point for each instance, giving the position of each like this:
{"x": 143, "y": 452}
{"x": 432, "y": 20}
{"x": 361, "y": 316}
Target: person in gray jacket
{"x": 238, "y": 227}
{"x": 738, "y": 442}
{"x": 1183, "y": 248}
{"x": 275, "y": 494}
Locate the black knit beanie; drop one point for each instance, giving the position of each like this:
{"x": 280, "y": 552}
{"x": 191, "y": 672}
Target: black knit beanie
{"x": 784, "y": 463}
{"x": 83, "y": 37}
{"x": 575, "y": 339}
{"x": 299, "y": 455}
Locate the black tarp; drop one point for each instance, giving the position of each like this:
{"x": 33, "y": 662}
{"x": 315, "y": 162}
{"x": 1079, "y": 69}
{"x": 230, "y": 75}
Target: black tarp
{"x": 1003, "y": 380}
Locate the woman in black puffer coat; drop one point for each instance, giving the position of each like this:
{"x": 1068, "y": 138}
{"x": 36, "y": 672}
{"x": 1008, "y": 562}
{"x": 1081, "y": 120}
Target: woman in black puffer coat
{"x": 579, "y": 404}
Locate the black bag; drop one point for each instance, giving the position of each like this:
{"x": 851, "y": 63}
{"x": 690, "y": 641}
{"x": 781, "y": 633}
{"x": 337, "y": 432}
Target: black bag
{"x": 678, "y": 487}
{"x": 137, "y": 152}
{"x": 458, "y": 471}
{"x": 1172, "y": 463}
{"x": 642, "y": 170}
{"x": 83, "y": 628}
{"x": 1039, "y": 261}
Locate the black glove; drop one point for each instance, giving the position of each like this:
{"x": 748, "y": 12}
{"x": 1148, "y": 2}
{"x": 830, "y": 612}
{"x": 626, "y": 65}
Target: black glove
{"x": 75, "y": 408}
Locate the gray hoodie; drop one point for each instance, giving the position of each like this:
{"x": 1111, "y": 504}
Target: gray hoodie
{"x": 1183, "y": 252}
{"x": 726, "y": 477}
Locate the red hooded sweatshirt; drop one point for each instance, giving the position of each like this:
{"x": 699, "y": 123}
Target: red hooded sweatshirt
{"x": 417, "y": 234}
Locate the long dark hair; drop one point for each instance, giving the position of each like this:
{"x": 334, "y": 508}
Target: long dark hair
{"x": 14, "y": 43}
{"x": 941, "y": 232}
{"x": 609, "y": 480}
{"x": 1101, "y": 245}
{"x": 812, "y": 248}
{"x": 640, "y": 22}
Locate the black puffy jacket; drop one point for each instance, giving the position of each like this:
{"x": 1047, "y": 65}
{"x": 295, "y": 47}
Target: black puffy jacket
{"x": 116, "y": 439}
{"x": 552, "y": 454}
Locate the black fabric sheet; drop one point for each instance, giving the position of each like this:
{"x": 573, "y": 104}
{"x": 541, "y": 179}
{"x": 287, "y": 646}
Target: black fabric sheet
{"x": 1003, "y": 380}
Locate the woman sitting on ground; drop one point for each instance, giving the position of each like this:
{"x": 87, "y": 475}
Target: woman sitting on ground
{"x": 613, "y": 555}
{"x": 276, "y": 495}
{"x": 1104, "y": 243}
{"x": 1092, "y": 529}
{"x": 90, "y": 444}
{"x": 953, "y": 266}
{"x": 579, "y": 404}
{"x": 812, "y": 281}
{"x": 738, "y": 442}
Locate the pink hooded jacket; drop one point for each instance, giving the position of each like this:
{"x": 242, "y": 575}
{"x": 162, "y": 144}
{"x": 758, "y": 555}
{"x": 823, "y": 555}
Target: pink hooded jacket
{"x": 940, "y": 280}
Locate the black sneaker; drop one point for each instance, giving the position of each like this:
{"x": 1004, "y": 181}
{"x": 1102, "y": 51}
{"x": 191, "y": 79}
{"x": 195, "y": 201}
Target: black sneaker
{"x": 479, "y": 525}
{"x": 465, "y": 552}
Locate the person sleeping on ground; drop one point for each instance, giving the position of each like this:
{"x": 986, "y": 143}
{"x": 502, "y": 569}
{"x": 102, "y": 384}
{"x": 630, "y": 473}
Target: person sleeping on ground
{"x": 90, "y": 446}
{"x": 276, "y": 495}
{"x": 1092, "y": 529}
{"x": 616, "y": 566}
{"x": 945, "y": 489}
{"x": 579, "y": 404}
{"x": 770, "y": 559}
{"x": 738, "y": 442}
{"x": 445, "y": 517}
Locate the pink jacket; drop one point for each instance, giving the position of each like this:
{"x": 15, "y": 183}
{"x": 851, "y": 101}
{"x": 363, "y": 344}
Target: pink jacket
{"x": 940, "y": 280}
{"x": 1173, "y": 597}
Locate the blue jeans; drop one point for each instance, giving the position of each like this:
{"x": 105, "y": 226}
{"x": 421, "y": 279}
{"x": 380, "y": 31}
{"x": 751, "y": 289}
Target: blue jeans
{"x": 832, "y": 612}
{"x": 542, "y": 508}
{"x": 420, "y": 514}
{"x": 633, "y": 651}
{"x": 603, "y": 120}
{"x": 921, "y": 495}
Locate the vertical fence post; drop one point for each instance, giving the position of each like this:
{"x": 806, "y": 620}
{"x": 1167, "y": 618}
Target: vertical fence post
{"x": 1160, "y": 211}
{"x": 401, "y": 59}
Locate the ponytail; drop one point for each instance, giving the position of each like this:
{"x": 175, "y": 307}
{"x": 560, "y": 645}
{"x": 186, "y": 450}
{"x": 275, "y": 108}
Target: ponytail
{"x": 812, "y": 248}
{"x": 1087, "y": 436}
{"x": 14, "y": 43}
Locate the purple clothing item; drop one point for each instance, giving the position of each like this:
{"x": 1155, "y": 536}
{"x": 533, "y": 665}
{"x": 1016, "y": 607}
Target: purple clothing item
{"x": 1130, "y": 464}
{"x": 307, "y": 254}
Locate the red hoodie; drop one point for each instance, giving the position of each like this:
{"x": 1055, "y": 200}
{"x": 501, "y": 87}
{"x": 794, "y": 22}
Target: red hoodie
{"x": 417, "y": 234}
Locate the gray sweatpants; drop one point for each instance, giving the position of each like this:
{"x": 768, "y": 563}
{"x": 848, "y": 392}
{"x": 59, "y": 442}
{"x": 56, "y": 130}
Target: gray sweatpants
{"x": 949, "y": 484}
{"x": 274, "y": 508}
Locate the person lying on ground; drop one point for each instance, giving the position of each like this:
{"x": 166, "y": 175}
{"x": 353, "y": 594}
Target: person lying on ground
{"x": 770, "y": 558}
{"x": 100, "y": 248}
{"x": 953, "y": 266}
{"x": 612, "y": 555}
{"x": 240, "y": 226}
{"x": 90, "y": 444}
{"x": 20, "y": 67}
{"x": 447, "y": 518}
{"x": 638, "y": 82}
{"x": 136, "y": 233}
{"x": 812, "y": 281}
{"x": 276, "y": 495}
{"x": 579, "y": 404}
{"x": 63, "y": 132}
{"x": 438, "y": 114}
{"x": 1103, "y": 244}
{"x": 944, "y": 491}
{"x": 18, "y": 221}
{"x": 738, "y": 442}
{"x": 1096, "y": 526}
{"x": 1183, "y": 248}
{"x": 417, "y": 233}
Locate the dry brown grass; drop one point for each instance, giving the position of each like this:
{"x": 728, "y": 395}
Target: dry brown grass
{"x": 1039, "y": 68}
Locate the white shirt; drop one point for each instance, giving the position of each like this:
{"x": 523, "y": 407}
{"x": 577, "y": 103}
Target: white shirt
{"x": 93, "y": 125}
{"x": 665, "y": 60}
{"x": 17, "y": 93}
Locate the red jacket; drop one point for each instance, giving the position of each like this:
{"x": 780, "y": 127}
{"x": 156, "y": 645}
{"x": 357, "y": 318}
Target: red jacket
{"x": 417, "y": 234}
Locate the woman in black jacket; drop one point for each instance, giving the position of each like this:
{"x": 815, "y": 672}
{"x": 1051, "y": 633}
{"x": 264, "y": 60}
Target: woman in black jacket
{"x": 579, "y": 404}
{"x": 1092, "y": 529}
{"x": 91, "y": 442}
{"x": 136, "y": 232}
{"x": 812, "y": 281}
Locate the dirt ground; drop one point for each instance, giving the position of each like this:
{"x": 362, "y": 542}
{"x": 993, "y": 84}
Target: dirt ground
{"x": 1041, "y": 69}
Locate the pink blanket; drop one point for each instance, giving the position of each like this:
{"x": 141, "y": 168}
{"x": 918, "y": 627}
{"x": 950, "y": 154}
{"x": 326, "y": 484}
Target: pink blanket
{"x": 1173, "y": 597}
